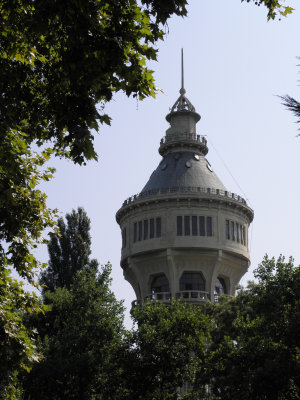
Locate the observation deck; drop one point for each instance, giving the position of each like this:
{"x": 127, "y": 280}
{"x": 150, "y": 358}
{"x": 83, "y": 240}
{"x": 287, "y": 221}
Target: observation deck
{"x": 183, "y": 142}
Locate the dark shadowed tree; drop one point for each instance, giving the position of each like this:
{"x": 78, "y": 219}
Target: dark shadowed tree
{"x": 69, "y": 251}
{"x": 165, "y": 353}
{"x": 255, "y": 348}
{"x": 80, "y": 337}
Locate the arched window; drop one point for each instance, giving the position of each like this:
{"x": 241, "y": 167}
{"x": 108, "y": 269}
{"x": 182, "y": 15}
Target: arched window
{"x": 192, "y": 281}
{"x": 220, "y": 287}
{"x": 160, "y": 284}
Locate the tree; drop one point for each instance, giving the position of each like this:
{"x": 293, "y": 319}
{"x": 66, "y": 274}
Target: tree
{"x": 81, "y": 330}
{"x": 166, "y": 351}
{"x": 23, "y": 216}
{"x": 255, "y": 348}
{"x": 80, "y": 339}
{"x": 17, "y": 347}
{"x": 69, "y": 251}
{"x": 60, "y": 64}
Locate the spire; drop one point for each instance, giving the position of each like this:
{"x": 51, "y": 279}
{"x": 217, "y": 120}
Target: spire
{"x": 182, "y": 103}
{"x": 182, "y": 118}
{"x": 182, "y": 90}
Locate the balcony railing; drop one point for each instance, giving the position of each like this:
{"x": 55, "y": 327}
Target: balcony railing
{"x": 209, "y": 192}
{"x": 166, "y": 297}
{"x": 161, "y": 296}
{"x": 192, "y": 295}
{"x": 175, "y": 137}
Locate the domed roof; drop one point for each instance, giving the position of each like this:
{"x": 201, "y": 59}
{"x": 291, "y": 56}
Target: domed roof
{"x": 184, "y": 164}
{"x": 183, "y": 169}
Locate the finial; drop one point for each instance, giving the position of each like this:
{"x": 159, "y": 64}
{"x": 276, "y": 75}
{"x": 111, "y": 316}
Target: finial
{"x": 182, "y": 103}
{"x": 182, "y": 90}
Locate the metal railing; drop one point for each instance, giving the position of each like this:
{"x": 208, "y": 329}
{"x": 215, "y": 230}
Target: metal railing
{"x": 192, "y": 295}
{"x": 166, "y": 297}
{"x": 161, "y": 296}
{"x": 185, "y": 190}
{"x": 175, "y": 137}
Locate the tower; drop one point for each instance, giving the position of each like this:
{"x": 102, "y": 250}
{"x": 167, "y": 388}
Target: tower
{"x": 184, "y": 235}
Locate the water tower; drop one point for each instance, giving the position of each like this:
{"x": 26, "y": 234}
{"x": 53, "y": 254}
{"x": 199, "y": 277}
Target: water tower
{"x": 184, "y": 235}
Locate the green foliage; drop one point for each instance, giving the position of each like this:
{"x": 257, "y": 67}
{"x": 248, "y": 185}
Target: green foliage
{"x": 69, "y": 251}
{"x": 80, "y": 337}
{"x": 275, "y": 8}
{"x": 167, "y": 350}
{"x": 255, "y": 351}
{"x": 23, "y": 216}
{"x": 17, "y": 348}
{"x": 23, "y": 211}
{"x": 62, "y": 61}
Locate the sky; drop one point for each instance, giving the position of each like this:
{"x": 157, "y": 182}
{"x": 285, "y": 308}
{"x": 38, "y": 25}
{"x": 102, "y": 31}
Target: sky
{"x": 236, "y": 64}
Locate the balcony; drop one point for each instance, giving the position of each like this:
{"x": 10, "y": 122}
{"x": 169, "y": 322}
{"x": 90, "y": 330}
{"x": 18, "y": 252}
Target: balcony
{"x": 191, "y": 140}
{"x": 190, "y": 296}
{"x": 164, "y": 297}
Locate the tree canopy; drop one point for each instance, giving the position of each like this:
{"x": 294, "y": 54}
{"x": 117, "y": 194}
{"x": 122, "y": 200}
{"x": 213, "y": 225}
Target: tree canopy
{"x": 61, "y": 62}
{"x": 167, "y": 351}
{"x": 69, "y": 251}
{"x": 245, "y": 347}
{"x": 255, "y": 349}
{"x": 79, "y": 338}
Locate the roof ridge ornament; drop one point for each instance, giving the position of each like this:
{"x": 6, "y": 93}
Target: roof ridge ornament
{"x": 182, "y": 103}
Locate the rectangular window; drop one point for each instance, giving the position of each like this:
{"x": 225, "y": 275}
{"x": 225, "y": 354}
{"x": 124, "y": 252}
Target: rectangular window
{"x": 241, "y": 234}
{"x": 232, "y": 230}
{"x": 124, "y": 238}
{"x": 135, "y": 232}
{"x": 140, "y": 230}
{"x": 202, "y": 226}
{"x": 151, "y": 228}
{"x": 244, "y": 236}
{"x": 187, "y": 229}
{"x": 145, "y": 229}
{"x": 194, "y": 225}
{"x": 179, "y": 226}
{"x": 158, "y": 227}
{"x": 209, "y": 226}
{"x": 227, "y": 229}
{"x": 237, "y": 232}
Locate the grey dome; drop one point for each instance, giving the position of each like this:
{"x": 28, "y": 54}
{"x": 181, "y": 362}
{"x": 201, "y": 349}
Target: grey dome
{"x": 183, "y": 169}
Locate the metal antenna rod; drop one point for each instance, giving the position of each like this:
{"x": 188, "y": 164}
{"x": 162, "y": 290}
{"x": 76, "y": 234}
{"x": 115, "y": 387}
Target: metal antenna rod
{"x": 182, "y": 72}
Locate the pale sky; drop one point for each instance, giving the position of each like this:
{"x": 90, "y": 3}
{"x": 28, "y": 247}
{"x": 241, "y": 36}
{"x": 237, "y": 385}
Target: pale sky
{"x": 235, "y": 64}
